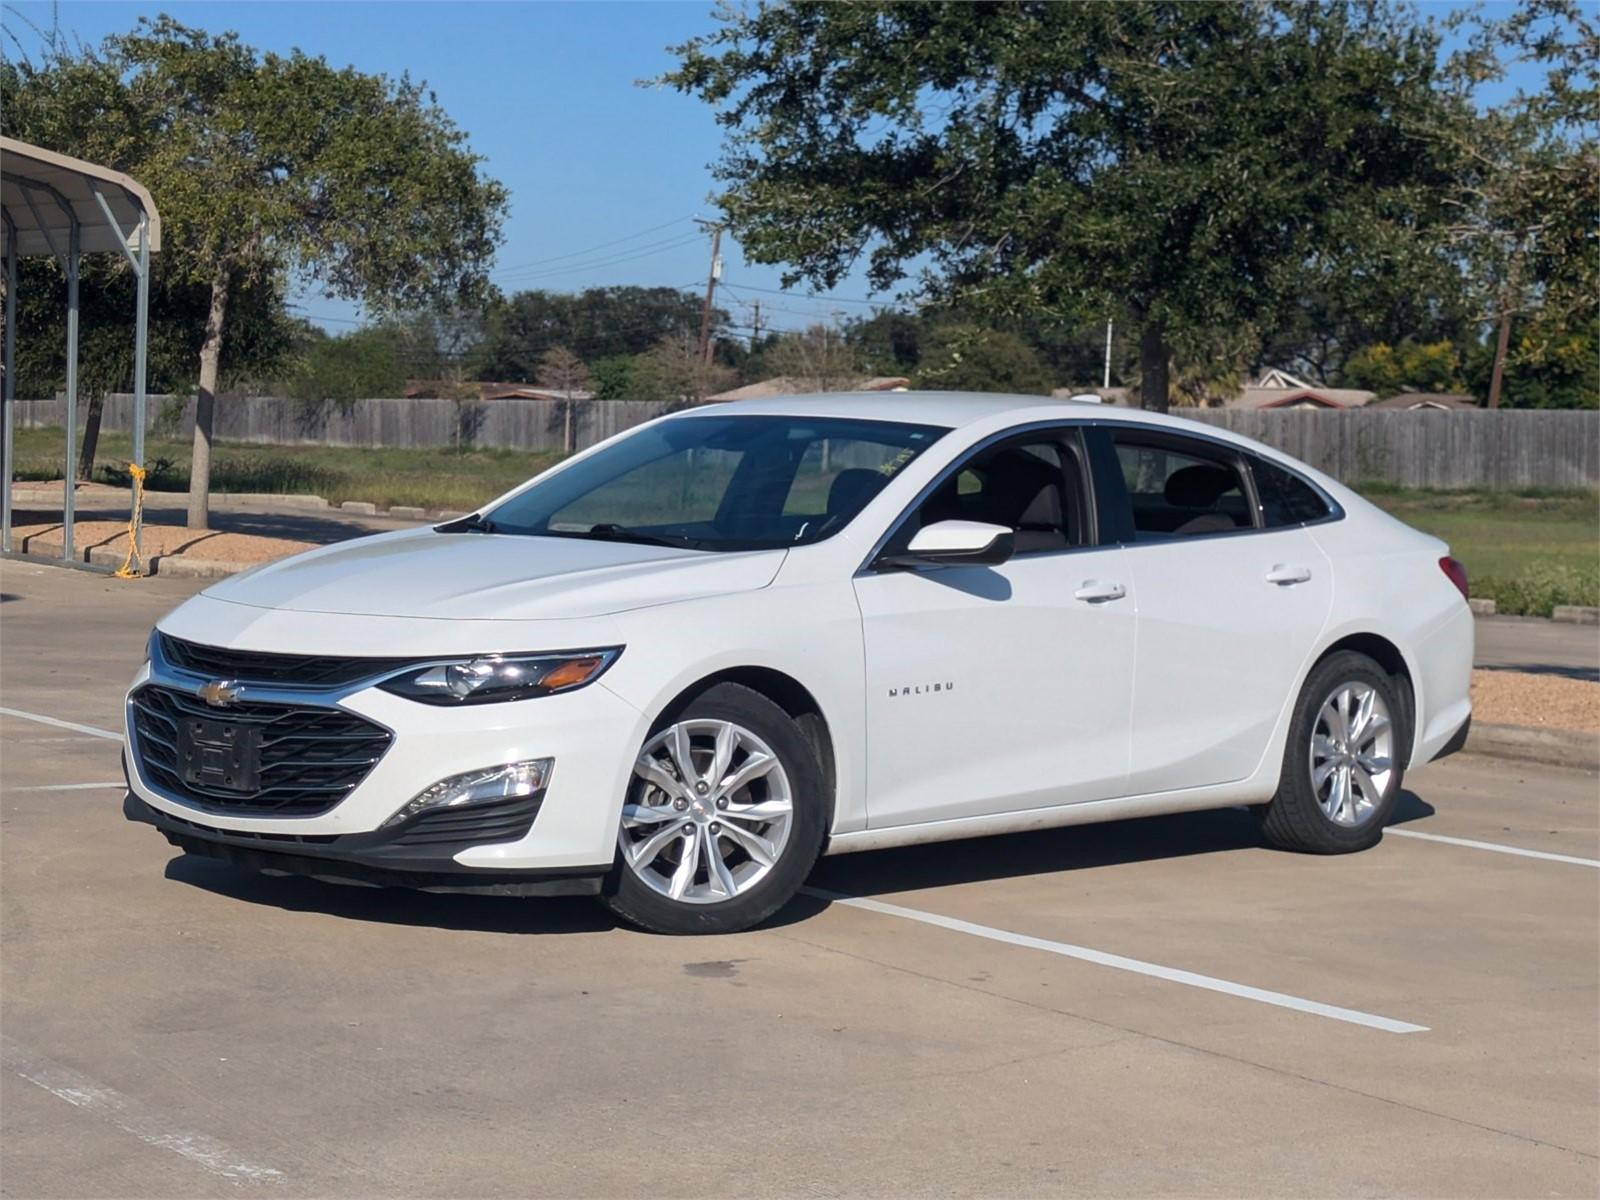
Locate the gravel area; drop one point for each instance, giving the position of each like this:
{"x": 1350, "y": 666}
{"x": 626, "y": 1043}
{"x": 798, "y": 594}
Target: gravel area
{"x": 1541, "y": 701}
{"x": 169, "y": 540}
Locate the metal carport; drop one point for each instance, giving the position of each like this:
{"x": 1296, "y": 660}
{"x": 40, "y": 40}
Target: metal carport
{"x": 52, "y": 204}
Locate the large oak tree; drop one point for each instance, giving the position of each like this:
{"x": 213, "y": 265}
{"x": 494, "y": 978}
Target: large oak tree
{"x": 1193, "y": 165}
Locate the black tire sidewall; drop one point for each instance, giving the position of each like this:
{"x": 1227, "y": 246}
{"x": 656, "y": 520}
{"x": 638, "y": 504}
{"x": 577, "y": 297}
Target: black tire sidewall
{"x": 638, "y": 904}
{"x": 1312, "y": 828}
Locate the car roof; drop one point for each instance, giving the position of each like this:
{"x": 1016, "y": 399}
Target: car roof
{"x": 947, "y": 409}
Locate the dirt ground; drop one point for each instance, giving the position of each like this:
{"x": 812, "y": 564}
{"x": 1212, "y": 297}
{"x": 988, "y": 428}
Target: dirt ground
{"x": 1547, "y": 701}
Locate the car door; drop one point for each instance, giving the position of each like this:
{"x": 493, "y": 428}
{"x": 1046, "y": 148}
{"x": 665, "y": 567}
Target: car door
{"x": 1228, "y": 607}
{"x": 1000, "y": 688}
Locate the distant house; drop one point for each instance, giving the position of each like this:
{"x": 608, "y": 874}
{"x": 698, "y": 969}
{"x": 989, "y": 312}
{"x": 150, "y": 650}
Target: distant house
{"x": 1447, "y": 401}
{"x": 1278, "y": 389}
{"x": 788, "y": 385}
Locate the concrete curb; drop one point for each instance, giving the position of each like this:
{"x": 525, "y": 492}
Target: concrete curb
{"x": 1481, "y": 607}
{"x": 1551, "y": 747}
{"x": 170, "y": 566}
{"x": 1574, "y": 614}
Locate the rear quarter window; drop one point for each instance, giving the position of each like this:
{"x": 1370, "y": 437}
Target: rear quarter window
{"x": 1286, "y": 499}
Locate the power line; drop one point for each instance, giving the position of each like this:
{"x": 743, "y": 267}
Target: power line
{"x": 750, "y": 287}
{"x": 633, "y": 254}
{"x": 537, "y": 262}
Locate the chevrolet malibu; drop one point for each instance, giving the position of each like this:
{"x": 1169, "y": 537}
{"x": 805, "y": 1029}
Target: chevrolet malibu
{"x": 675, "y": 669}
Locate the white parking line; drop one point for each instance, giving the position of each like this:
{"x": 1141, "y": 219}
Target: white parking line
{"x": 1494, "y": 846}
{"x": 1118, "y": 962}
{"x": 90, "y": 730}
{"x": 71, "y": 787}
{"x": 145, "y": 1123}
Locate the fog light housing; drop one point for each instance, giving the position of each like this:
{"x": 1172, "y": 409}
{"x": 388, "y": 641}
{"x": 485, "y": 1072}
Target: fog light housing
{"x": 474, "y": 787}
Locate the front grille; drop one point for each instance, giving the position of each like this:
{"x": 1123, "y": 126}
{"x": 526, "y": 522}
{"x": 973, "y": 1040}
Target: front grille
{"x": 311, "y": 758}
{"x": 252, "y": 666}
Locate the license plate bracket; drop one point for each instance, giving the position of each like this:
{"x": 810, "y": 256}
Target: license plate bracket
{"x": 220, "y": 755}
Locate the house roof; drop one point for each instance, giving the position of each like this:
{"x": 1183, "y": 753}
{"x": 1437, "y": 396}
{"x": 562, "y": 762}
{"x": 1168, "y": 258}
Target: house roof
{"x": 1443, "y": 400}
{"x": 788, "y": 385}
{"x": 1308, "y": 397}
{"x": 1277, "y": 377}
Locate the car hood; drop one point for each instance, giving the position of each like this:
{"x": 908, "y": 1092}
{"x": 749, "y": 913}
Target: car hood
{"x": 481, "y": 576}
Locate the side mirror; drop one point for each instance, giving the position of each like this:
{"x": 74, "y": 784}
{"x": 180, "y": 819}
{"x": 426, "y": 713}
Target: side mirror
{"x": 955, "y": 543}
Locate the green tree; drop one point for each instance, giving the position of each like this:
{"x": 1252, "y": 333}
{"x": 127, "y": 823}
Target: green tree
{"x": 594, "y": 324}
{"x": 818, "y": 359}
{"x": 357, "y": 365}
{"x": 612, "y": 378}
{"x": 1526, "y": 213}
{"x": 1192, "y": 164}
{"x": 673, "y": 372}
{"x": 268, "y": 167}
{"x": 1411, "y": 366}
{"x": 966, "y": 358}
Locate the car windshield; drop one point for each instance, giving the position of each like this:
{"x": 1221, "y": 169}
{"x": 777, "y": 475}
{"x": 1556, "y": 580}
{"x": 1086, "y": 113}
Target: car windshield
{"x": 718, "y": 483}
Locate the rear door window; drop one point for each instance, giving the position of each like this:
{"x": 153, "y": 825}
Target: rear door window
{"x": 1179, "y": 488}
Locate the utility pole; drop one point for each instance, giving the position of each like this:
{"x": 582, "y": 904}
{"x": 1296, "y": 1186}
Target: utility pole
{"x": 1107, "y": 383}
{"x": 755, "y": 327}
{"x": 711, "y": 285}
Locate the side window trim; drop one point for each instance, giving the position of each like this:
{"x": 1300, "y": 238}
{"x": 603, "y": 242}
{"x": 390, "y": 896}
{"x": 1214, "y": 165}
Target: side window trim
{"x": 1069, "y": 435}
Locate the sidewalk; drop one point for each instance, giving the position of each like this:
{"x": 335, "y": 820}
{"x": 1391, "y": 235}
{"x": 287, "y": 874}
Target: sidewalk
{"x": 1538, "y": 647}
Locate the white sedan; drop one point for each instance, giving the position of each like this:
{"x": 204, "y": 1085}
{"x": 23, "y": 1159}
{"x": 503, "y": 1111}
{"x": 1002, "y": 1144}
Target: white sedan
{"x": 677, "y": 668}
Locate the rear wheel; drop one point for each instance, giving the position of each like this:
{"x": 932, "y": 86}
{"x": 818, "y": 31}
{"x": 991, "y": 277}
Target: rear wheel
{"x": 723, "y": 818}
{"x": 1344, "y": 761}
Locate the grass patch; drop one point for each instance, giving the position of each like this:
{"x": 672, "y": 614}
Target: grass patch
{"x": 434, "y": 478}
{"x": 1528, "y": 551}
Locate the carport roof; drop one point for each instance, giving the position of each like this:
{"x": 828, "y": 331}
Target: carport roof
{"x": 31, "y": 169}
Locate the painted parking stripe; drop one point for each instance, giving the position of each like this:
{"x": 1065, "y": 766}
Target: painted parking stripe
{"x": 145, "y": 1123}
{"x": 1496, "y": 847}
{"x": 1118, "y": 962}
{"x": 90, "y": 730}
{"x": 72, "y": 787}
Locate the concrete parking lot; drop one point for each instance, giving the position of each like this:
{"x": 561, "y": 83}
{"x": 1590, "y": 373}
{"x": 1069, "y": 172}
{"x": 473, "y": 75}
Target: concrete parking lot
{"x": 1149, "y": 1007}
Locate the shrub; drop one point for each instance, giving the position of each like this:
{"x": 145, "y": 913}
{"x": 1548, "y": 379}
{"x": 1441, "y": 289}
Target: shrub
{"x": 1536, "y": 590}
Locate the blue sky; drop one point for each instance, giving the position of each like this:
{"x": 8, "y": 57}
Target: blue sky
{"x": 548, "y": 94}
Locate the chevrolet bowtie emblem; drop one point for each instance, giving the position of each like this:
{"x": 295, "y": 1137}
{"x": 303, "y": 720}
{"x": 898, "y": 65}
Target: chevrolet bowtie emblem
{"x": 220, "y": 693}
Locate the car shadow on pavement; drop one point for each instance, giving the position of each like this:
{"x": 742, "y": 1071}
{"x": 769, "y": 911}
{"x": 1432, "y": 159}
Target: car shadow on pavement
{"x": 871, "y": 873}
{"x": 393, "y": 906}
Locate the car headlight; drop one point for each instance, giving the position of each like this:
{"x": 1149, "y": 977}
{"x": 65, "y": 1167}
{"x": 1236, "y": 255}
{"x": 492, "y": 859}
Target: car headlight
{"x": 490, "y": 678}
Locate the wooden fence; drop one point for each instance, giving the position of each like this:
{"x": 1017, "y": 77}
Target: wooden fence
{"x": 1427, "y": 448}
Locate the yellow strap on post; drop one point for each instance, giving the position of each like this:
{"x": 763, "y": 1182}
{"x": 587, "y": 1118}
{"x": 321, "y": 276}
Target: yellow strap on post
{"x": 127, "y": 570}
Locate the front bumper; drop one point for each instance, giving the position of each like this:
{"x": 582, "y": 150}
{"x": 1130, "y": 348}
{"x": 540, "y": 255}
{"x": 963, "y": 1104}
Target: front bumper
{"x": 591, "y": 734}
{"x": 386, "y": 858}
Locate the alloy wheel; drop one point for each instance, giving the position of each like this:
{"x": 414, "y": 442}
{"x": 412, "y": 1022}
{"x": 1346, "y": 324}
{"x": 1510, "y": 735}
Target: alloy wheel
{"x": 1352, "y": 753}
{"x": 708, "y": 813}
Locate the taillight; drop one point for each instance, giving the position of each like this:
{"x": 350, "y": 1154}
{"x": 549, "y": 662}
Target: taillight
{"x": 1457, "y": 575}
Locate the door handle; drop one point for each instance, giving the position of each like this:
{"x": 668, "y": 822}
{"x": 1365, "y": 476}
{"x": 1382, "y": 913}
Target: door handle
{"x": 1288, "y": 576}
{"x": 1095, "y": 592}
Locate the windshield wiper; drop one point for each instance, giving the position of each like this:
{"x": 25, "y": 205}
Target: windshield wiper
{"x": 471, "y": 523}
{"x": 611, "y": 532}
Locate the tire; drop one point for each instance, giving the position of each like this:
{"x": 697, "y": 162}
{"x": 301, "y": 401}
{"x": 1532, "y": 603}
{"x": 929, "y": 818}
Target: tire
{"x": 1332, "y": 796}
{"x": 765, "y": 800}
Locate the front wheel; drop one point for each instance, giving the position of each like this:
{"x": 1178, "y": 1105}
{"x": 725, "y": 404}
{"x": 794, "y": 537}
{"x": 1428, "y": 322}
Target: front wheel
{"x": 723, "y": 819}
{"x": 1344, "y": 761}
